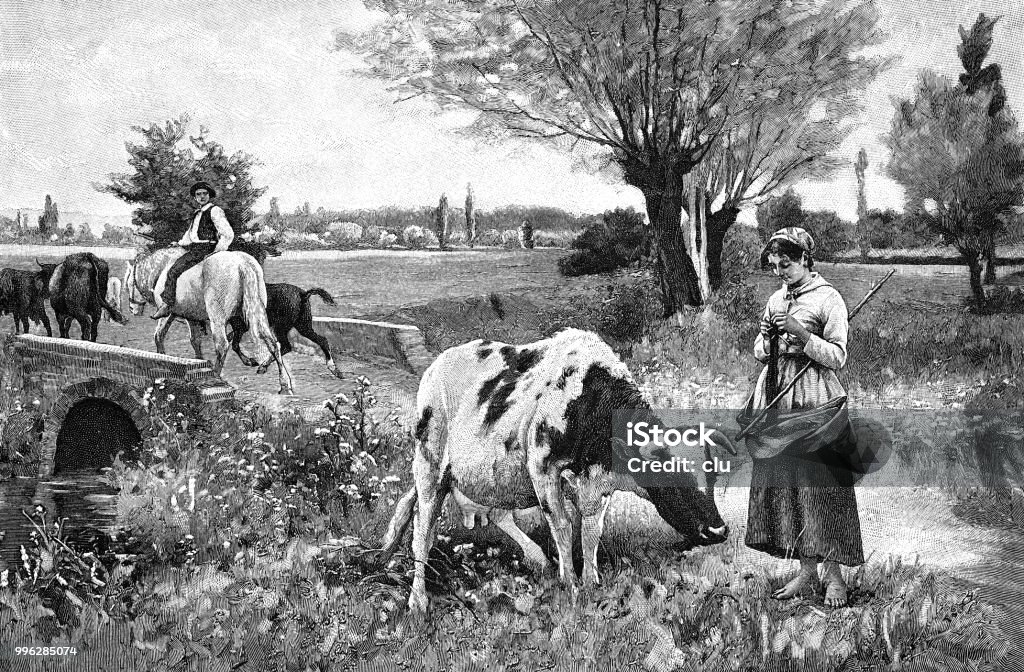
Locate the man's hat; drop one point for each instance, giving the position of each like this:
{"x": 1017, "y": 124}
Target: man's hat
{"x": 202, "y": 185}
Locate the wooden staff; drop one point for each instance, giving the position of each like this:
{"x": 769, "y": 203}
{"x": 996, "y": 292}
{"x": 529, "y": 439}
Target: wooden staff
{"x": 789, "y": 386}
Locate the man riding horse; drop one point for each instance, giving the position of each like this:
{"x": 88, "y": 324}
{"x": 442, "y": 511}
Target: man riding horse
{"x": 209, "y": 232}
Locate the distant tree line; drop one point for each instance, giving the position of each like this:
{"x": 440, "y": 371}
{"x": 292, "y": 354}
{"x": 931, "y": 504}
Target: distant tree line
{"x": 395, "y": 219}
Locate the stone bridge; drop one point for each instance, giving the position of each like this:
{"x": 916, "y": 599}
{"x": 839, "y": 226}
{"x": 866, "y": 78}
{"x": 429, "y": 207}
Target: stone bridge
{"x": 90, "y": 395}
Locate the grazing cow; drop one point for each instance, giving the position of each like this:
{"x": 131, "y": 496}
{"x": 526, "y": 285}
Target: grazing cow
{"x": 113, "y": 296}
{"x": 288, "y": 308}
{"x": 22, "y": 294}
{"x": 502, "y": 427}
{"x": 78, "y": 291}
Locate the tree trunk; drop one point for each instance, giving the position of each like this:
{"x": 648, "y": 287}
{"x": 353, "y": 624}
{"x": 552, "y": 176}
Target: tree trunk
{"x": 696, "y": 233}
{"x": 678, "y": 278}
{"x": 990, "y": 266}
{"x": 719, "y": 224}
{"x": 974, "y": 265}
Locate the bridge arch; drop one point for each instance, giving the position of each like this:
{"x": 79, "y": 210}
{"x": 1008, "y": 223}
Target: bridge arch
{"x": 83, "y": 383}
{"x": 92, "y": 420}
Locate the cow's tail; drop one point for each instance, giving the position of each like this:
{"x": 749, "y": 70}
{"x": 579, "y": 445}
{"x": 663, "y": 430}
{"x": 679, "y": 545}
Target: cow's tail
{"x": 398, "y": 525}
{"x": 101, "y": 294}
{"x": 322, "y": 293}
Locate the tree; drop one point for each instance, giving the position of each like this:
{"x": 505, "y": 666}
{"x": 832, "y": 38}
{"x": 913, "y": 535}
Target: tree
{"x": 658, "y": 86}
{"x": 778, "y": 213}
{"x": 863, "y": 234}
{"x": 961, "y": 166}
{"x": 274, "y": 215}
{"x": 50, "y": 219}
{"x": 441, "y": 217}
{"x": 470, "y": 217}
{"x": 972, "y": 51}
{"x": 166, "y": 165}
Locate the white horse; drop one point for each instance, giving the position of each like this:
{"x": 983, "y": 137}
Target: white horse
{"x": 210, "y": 293}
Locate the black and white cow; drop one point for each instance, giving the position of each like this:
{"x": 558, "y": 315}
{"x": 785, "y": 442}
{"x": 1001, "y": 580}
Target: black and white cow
{"x": 504, "y": 427}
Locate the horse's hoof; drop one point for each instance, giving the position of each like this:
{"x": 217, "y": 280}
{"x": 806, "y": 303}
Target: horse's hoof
{"x": 287, "y": 391}
{"x": 261, "y": 370}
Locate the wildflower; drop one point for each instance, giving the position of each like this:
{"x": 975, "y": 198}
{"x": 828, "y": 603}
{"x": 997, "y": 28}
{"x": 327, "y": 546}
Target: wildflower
{"x": 363, "y": 380}
{"x": 170, "y": 397}
{"x": 35, "y": 402}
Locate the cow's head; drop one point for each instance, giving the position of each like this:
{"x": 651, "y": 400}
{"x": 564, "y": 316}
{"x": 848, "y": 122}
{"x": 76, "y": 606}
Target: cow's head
{"x": 43, "y": 276}
{"x": 686, "y": 499}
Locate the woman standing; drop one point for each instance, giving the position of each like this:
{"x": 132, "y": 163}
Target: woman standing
{"x": 799, "y": 508}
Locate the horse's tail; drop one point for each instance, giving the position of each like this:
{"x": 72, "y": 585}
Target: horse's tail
{"x": 254, "y": 301}
{"x": 100, "y": 278}
{"x": 318, "y": 291}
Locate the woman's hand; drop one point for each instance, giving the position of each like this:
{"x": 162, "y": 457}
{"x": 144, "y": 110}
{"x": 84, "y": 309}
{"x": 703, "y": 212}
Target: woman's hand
{"x": 766, "y": 327}
{"x": 791, "y": 325}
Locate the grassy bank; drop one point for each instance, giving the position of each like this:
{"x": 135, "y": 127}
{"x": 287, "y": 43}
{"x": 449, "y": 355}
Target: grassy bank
{"x": 245, "y": 547}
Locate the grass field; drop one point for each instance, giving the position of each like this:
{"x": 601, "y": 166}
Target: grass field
{"x": 271, "y": 569}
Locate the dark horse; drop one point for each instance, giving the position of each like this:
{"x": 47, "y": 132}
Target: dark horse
{"x": 288, "y": 308}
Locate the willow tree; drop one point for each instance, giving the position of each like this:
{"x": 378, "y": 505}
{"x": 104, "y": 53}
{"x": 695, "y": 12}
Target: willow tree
{"x": 962, "y": 165}
{"x": 660, "y": 86}
{"x": 957, "y": 152}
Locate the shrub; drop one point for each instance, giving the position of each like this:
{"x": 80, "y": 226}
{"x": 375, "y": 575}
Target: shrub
{"x": 372, "y": 234}
{"x": 561, "y": 238}
{"x": 417, "y": 238}
{"x": 585, "y": 262}
{"x": 345, "y": 232}
{"x": 457, "y": 238}
{"x": 741, "y": 252}
{"x": 619, "y": 239}
{"x": 631, "y": 310}
{"x": 489, "y": 238}
{"x": 832, "y": 236}
{"x": 510, "y": 239}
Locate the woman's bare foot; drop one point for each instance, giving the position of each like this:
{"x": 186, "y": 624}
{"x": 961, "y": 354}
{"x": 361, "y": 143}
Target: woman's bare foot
{"x": 803, "y": 583}
{"x": 835, "y": 586}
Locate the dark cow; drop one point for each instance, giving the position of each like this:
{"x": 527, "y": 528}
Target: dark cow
{"x": 503, "y": 427}
{"x": 288, "y": 308}
{"x": 22, "y": 294}
{"x": 78, "y": 291}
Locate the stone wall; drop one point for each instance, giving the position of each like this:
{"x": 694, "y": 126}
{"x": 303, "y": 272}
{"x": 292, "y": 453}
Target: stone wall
{"x": 402, "y": 343}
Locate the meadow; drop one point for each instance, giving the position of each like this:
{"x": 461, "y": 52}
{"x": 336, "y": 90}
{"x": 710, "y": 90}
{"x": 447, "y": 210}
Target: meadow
{"x": 247, "y": 536}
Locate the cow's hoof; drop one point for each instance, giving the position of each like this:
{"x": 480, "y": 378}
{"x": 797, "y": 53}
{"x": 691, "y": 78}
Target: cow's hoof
{"x": 261, "y": 370}
{"x": 287, "y": 391}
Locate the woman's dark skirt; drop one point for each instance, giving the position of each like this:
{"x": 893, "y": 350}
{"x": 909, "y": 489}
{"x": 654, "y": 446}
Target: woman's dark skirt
{"x": 801, "y": 506}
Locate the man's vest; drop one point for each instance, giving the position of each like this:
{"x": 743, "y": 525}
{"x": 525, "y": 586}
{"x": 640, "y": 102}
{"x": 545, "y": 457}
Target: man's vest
{"x": 207, "y": 230}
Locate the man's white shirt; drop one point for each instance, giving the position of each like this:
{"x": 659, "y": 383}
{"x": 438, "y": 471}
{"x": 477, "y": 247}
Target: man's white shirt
{"x": 191, "y": 236}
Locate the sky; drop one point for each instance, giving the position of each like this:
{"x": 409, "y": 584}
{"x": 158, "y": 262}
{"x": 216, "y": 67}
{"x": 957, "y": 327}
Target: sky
{"x": 76, "y": 75}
